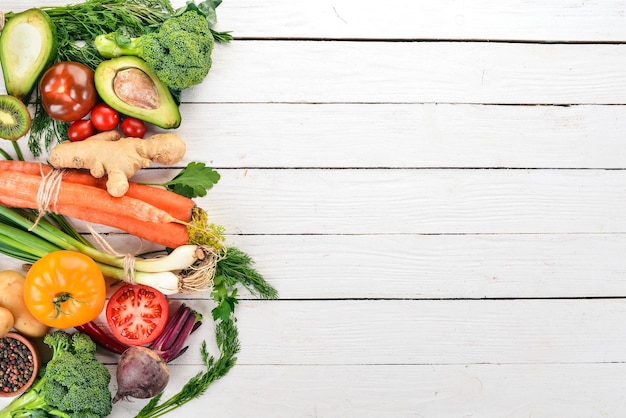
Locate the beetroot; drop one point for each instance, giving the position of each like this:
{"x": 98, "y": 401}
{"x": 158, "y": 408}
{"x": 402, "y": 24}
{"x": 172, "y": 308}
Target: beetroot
{"x": 141, "y": 373}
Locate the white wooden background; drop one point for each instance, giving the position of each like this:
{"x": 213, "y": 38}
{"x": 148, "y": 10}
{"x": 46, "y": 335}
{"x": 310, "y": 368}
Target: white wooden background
{"x": 437, "y": 190}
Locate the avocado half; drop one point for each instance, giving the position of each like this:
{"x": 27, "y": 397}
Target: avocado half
{"x": 28, "y": 45}
{"x": 130, "y": 87}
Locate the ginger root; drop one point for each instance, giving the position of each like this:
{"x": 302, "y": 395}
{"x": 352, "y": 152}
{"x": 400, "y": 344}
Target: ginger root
{"x": 119, "y": 158}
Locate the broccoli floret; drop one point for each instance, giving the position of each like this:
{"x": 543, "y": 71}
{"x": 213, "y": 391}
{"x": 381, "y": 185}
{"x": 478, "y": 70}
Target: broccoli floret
{"x": 72, "y": 384}
{"x": 83, "y": 344}
{"x": 179, "y": 52}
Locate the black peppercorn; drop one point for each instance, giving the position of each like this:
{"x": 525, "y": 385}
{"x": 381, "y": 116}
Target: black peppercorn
{"x": 16, "y": 364}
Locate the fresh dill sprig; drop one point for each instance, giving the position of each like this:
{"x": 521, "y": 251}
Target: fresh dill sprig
{"x": 238, "y": 267}
{"x": 44, "y": 130}
{"x": 235, "y": 268}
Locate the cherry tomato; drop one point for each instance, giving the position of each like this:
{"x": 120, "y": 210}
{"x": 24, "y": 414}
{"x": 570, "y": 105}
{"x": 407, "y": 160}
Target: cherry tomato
{"x": 64, "y": 289}
{"x": 133, "y": 127}
{"x": 137, "y": 314}
{"x": 104, "y": 117}
{"x": 68, "y": 91}
{"x": 80, "y": 129}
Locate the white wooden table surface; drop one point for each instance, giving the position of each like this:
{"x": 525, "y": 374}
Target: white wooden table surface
{"x": 437, "y": 190}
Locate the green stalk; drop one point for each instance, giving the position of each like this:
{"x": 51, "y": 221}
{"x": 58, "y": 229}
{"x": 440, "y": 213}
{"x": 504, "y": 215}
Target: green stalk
{"x": 66, "y": 227}
{"x": 18, "y": 151}
{"x": 24, "y": 241}
{"x": 5, "y": 154}
{"x": 17, "y": 254}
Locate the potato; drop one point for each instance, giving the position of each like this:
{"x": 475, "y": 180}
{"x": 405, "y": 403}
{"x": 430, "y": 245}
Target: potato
{"x": 12, "y": 298}
{"x": 6, "y": 321}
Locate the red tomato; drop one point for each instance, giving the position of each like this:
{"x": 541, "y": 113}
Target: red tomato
{"x": 68, "y": 91}
{"x": 79, "y": 130}
{"x": 137, "y": 314}
{"x": 104, "y": 117}
{"x": 133, "y": 127}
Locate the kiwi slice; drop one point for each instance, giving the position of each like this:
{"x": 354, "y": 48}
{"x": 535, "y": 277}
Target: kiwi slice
{"x": 14, "y": 118}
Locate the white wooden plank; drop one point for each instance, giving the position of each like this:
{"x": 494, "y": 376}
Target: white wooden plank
{"x": 434, "y": 19}
{"x": 432, "y": 332}
{"x": 440, "y": 266}
{"x": 564, "y": 20}
{"x": 399, "y": 135}
{"x": 486, "y": 390}
{"x": 284, "y": 201}
{"x": 414, "y": 72}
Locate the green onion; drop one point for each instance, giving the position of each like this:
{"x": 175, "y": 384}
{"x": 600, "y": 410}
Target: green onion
{"x": 188, "y": 268}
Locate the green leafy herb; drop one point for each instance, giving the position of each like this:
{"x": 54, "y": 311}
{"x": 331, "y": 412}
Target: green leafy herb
{"x": 238, "y": 267}
{"x": 225, "y": 301}
{"x": 44, "y": 130}
{"x": 227, "y": 338}
{"x": 193, "y": 180}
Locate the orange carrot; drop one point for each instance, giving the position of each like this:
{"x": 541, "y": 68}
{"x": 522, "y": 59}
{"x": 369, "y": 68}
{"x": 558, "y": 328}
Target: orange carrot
{"x": 170, "y": 235}
{"x": 24, "y": 188}
{"x": 178, "y": 206}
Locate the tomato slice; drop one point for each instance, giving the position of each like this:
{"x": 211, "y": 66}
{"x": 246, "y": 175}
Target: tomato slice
{"x": 137, "y": 314}
{"x": 64, "y": 289}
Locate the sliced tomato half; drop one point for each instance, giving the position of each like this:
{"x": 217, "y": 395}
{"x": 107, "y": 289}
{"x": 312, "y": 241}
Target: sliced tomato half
{"x": 137, "y": 314}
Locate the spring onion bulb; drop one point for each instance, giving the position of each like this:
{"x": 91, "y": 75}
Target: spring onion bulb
{"x": 166, "y": 282}
{"x": 180, "y": 258}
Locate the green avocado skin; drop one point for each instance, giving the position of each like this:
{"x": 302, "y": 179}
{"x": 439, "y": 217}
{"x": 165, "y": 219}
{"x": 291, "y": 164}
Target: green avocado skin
{"x": 111, "y": 81}
{"x": 20, "y": 72}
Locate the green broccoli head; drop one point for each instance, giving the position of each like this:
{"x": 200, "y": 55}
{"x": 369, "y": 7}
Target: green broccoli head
{"x": 75, "y": 381}
{"x": 180, "y": 51}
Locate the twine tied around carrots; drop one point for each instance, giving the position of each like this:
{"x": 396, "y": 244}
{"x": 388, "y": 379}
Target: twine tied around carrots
{"x": 47, "y": 193}
{"x": 47, "y": 196}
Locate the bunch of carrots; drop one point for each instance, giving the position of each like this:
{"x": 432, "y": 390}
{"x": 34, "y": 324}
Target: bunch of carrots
{"x": 148, "y": 212}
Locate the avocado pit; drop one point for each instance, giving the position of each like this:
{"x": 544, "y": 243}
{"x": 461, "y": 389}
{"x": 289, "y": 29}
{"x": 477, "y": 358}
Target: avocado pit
{"x": 135, "y": 88}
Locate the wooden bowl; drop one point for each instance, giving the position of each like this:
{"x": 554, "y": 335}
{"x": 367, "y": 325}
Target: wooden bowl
{"x": 19, "y": 357}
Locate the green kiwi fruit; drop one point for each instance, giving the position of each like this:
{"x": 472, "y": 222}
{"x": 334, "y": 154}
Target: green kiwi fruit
{"x": 14, "y": 118}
